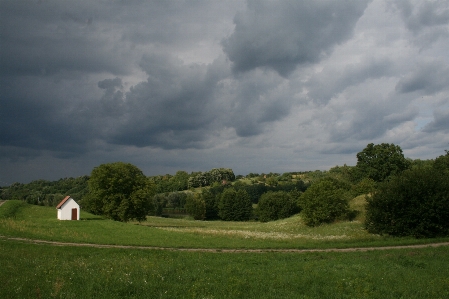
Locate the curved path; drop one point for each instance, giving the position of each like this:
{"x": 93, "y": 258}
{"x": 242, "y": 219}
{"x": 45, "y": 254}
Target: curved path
{"x": 360, "y": 249}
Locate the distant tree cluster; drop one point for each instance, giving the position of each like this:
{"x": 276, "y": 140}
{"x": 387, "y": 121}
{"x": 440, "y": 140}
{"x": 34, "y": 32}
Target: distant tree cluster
{"x": 46, "y": 193}
{"x": 202, "y": 179}
{"x": 170, "y": 183}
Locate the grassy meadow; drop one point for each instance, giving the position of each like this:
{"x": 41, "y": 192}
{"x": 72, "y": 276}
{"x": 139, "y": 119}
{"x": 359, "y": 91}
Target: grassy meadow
{"x": 40, "y": 270}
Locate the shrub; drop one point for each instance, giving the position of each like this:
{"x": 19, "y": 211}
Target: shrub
{"x": 276, "y": 205}
{"x": 324, "y": 202}
{"x": 414, "y": 203}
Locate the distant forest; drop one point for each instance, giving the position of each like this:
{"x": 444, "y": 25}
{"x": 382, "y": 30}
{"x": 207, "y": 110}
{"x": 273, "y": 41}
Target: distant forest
{"x": 50, "y": 193}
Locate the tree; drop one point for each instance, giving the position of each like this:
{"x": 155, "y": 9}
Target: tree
{"x": 118, "y": 191}
{"x": 211, "y": 201}
{"x": 324, "y": 202}
{"x": 276, "y": 205}
{"x": 413, "y": 203}
{"x": 380, "y": 161}
{"x": 195, "y": 206}
{"x": 442, "y": 163}
{"x": 235, "y": 205}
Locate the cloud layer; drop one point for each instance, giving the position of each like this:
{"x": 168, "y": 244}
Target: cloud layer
{"x": 256, "y": 86}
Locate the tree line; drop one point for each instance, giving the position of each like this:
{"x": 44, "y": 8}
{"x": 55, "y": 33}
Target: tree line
{"x": 404, "y": 196}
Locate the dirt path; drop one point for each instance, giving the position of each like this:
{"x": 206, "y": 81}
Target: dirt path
{"x": 360, "y": 249}
{"x": 2, "y": 202}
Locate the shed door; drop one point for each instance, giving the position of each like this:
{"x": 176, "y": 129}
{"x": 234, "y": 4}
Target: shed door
{"x": 74, "y": 214}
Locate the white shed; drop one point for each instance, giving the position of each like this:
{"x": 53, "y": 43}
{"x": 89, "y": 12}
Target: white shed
{"x": 68, "y": 209}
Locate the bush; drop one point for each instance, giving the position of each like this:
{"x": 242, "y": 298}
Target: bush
{"x": 325, "y": 202}
{"x": 276, "y": 205}
{"x": 414, "y": 203}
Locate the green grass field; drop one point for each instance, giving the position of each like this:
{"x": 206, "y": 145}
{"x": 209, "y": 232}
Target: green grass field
{"x": 31, "y": 270}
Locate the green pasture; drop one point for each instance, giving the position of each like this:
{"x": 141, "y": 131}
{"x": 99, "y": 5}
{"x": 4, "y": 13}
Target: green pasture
{"x": 29, "y": 270}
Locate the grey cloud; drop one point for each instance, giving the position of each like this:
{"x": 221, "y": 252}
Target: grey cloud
{"x": 427, "y": 20}
{"x": 180, "y": 106}
{"x": 174, "y": 108}
{"x": 429, "y": 78}
{"x": 440, "y": 122}
{"x": 425, "y": 14}
{"x": 39, "y": 114}
{"x": 58, "y": 37}
{"x": 283, "y": 35}
{"x": 330, "y": 82}
{"x": 257, "y": 99}
{"x": 371, "y": 121}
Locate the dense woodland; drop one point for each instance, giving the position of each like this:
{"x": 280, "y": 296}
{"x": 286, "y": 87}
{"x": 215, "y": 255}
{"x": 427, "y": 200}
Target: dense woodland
{"x": 399, "y": 191}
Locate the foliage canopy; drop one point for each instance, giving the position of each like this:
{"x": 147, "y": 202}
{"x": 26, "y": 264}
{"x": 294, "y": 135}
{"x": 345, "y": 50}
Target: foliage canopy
{"x": 324, "y": 202}
{"x": 413, "y": 203}
{"x": 276, "y": 205}
{"x": 235, "y": 205}
{"x": 118, "y": 191}
{"x": 380, "y": 161}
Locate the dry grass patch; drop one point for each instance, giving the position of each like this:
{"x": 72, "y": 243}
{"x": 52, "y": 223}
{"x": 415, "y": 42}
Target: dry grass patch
{"x": 256, "y": 234}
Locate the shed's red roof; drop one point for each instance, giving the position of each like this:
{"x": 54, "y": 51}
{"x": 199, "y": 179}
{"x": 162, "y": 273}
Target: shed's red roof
{"x": 62, "y": 202}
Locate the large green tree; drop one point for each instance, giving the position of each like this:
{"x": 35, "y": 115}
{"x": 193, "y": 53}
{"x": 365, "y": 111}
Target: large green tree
{"x": 118, "y": 191}
{"x": 380, "y": 161}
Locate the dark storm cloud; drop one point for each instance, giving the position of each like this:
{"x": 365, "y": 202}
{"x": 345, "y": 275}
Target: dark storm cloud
{"x": 429, "y": 78}
{"x": 29, "y": 121}
{"x": 282, "y": 35}
{"x": 200, "y": 83}
{"x": 44, "y": 39}
{"x": 172, "y": 109}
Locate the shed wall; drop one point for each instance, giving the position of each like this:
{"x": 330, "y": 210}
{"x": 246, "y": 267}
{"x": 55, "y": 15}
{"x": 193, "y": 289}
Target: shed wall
{"x": 65, "y": 212}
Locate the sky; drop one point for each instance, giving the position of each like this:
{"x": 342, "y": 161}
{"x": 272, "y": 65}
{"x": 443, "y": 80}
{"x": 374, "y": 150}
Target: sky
{"x": 255, "y": 86}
